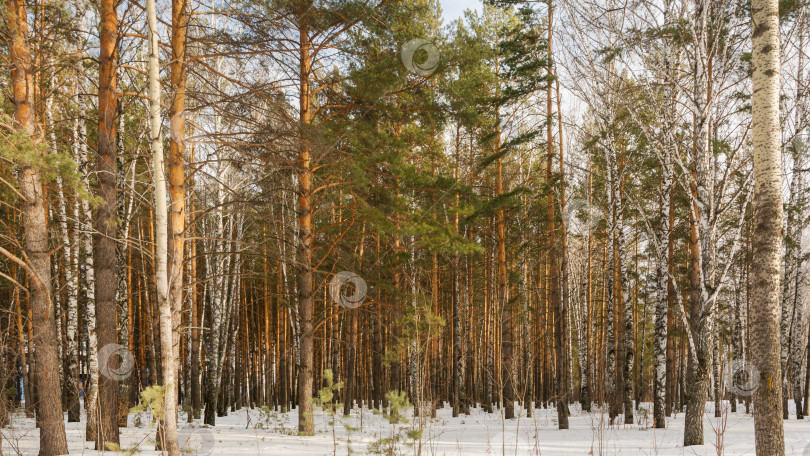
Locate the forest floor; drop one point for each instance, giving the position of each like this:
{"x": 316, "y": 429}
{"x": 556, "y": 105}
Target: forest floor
{"x": 264, "y": 433}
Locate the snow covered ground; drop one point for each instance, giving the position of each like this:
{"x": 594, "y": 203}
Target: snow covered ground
{"x": 253, "y": 432}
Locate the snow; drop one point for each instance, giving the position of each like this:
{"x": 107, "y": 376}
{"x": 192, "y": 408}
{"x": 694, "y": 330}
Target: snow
{"x": 253, "y": 432}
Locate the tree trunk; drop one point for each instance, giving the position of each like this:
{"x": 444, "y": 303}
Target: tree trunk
{"x": 196, "y": 311}
{"x": 610, "y": 285}
{"x": 351, "y": 351}
{"x": 768, "y": 426}
{"x": 699, "y": 364}
{"x": 557, "y": 303}
{"x": 71, "y": 260}
{"x": 799, "y": 146}
{"x": 52, "y": 440}
{"x": 306, "y": 424}
{"x": 105, "y": 250}
{"x": 177, "y": 175}
{"x": 628, "y": 355}
{"x": 585, "y": 367}
{"x": 458, "y": 360}
{"x": 167, "y": 430}
{"x": 662, "y": 301}
{"x": 663, "y": 236}
{"x": 507, "y": 385}
{"x": 702, "y": 241}
{"x": 91, "y": 389}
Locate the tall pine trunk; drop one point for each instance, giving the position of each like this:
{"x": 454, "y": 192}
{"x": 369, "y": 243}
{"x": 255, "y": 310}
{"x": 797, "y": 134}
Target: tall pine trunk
{"x": 306, "y": 424}
{"x": 105, "y": 250}
{"x": 52, "y": 438}
{"x": 458, "y": 394}
{"x": 177, "y": 175}
{"x": 507, "y": 373}
{"x": 557, "y": 302}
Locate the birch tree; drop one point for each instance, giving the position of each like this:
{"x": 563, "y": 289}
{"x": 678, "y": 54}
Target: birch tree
{"x": 167, "y": 432}
{"x": 768, "y": 427}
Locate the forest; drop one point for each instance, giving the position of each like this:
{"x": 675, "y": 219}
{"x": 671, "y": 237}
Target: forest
{"x": 245, "y": 227}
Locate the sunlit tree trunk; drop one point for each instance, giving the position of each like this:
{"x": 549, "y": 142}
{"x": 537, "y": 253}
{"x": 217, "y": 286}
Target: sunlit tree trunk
{"x": 104, "y": 244}
{"x": 557, "y": 302}
{"x": 88, "y": 268}
{"x": 798, "y": 328}
{"x": 306, "y": 424}
{"x": 167, "y": 431}
{"x": 507, "y": 373}
{"x": 628, "y": 345}
{"x": 663, "y": 236}
{"x": 790, "y": 283}
{"x": 702, "y": 246}
{"x": 177, "y": 173}
{"x": 610, "y": 280}
{"x": 52, "y": 438}
{"x": 766, "y": 264}
{"x": 585, "y": 365}
{"x": 458, "y": 359}
{"x": 71, "y": 266}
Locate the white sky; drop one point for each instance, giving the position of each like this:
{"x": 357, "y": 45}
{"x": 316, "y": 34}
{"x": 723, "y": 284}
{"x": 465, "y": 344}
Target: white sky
{"x": 453, "y": 9}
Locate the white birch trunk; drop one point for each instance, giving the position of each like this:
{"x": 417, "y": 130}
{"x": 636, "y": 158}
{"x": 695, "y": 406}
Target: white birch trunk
{"x": 766, "y": 264}
{"x": 168, "y": 364}
{"x": 663, "y": 237}
{"x": 91, "y": 390}
{"x": 627, "y": 305}
{"x": 702, "y": 205}
{"x": 612, "y": 195}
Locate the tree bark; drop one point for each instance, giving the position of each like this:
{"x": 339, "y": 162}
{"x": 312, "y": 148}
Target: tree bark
{"x": 52, "y": 439}
{"x": 177, "y": 174}
{"x": 662, "y": 265}
{"x": 610, "y": 285}
{"x": 306, "y": 424}
{"x": 799, "y": 147}
{"x": 88, "y": 267}
{"x": 71, "y": 262}
{"x": 628, "y": 354}
{"x": 167, "y": 430}
{"x": 557, "y": 302}
{"x": 458, "y": 359}
{"x": 105, "y": 250}
{"x": 351, "y": 354}
{"x": 507, "y": 374}
{"x": 768, "y": 426}
{"x": 702, "y": 241}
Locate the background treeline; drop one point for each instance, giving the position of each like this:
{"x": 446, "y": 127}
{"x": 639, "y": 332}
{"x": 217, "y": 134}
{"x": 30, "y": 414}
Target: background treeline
{"x": 550, "y": 204}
